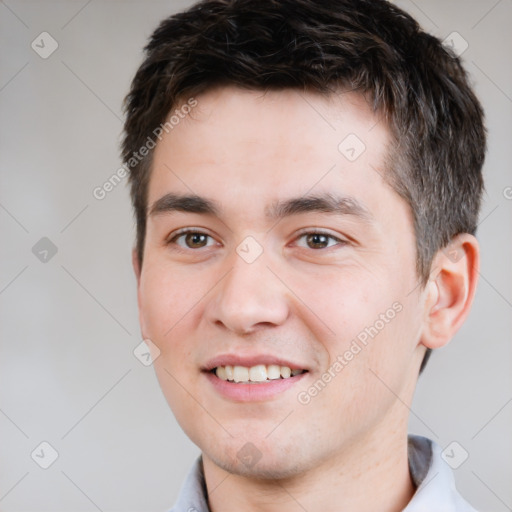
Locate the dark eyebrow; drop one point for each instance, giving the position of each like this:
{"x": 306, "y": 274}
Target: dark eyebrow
{"x": 184, "y": 203}
{"x": 323, "y": 203}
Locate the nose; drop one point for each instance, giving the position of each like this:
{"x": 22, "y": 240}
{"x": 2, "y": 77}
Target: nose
{"x": 249, "y": 297}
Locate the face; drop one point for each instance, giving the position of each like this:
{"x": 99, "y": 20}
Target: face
{"x": 293, "y": 252}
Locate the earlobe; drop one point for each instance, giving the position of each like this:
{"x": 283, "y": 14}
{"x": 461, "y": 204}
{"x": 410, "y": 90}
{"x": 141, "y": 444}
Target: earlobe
{"x": 450, "y": 290}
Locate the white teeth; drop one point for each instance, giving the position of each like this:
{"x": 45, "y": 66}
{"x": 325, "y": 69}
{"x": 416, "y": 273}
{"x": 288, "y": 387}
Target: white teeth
{"x": 285, "y": 372}
{"x": 240, "y": 374}
{"x": 273, "y": 371}
{"x": 258, "y": 373}
{"x": 221, "y": 373}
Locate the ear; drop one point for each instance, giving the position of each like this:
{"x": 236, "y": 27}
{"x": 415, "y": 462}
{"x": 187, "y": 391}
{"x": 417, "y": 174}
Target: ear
{"x": 137, "y": 268}
{"x": 136, "y": 265}
{"x": 450, "y": 290}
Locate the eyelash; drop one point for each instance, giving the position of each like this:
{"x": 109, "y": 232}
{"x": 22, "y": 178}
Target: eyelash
{"x": 181, "y": 233}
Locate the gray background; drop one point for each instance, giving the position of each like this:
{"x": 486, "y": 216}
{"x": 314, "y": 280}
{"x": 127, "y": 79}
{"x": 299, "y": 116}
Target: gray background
{"x": 69, "y": 325}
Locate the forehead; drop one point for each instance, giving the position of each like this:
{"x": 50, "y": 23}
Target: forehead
{"x": 270, "y": 144}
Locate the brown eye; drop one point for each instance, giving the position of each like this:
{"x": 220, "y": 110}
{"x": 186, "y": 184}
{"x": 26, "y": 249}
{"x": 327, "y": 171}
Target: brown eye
{"x": 195, "y": 240}
{"x": 189, "y": 239}
{"x": 317, "y": 240}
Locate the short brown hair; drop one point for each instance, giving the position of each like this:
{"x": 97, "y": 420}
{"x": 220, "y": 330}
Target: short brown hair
{"x": 370, "y": 46}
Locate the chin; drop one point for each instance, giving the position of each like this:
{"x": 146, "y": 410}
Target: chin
{"x": 248, "y": 461}
{"x": 261, "y": 470}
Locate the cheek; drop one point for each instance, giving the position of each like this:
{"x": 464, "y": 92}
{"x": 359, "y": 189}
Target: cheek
{"x": 167, "y": 299}
{"x": 342, "y": 302}
{"x": 167, "y": 308}
{"x": 365, "y": 379}
{"x": 376, "y": 326}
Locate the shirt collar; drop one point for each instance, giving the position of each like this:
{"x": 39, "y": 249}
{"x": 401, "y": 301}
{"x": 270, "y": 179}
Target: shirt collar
{"x": 433, "y": 478}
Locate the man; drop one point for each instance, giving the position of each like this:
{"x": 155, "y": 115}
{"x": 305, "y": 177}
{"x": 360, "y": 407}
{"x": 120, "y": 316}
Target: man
{"x": 306, "y": 179}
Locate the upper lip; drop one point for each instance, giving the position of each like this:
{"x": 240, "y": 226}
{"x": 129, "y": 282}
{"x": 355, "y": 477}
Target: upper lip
{"x": 250, "y": 360}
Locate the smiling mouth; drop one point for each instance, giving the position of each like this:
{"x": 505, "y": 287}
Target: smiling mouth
{"x": 258, "y": 374}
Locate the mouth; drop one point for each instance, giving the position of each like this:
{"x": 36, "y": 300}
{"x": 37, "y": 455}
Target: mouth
{"x": 257, "y": 374}
{"x": 256, "y": 377}
{"x": 257, "y": 383}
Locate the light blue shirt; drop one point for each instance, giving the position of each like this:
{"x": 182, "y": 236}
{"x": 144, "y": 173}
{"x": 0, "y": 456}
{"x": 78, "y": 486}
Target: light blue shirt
{"x": 433, "y": 478}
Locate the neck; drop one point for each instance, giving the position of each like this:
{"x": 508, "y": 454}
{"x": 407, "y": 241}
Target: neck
{"x": 371, "y": 473}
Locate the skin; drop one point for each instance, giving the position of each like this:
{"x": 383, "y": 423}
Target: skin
{"x": 299, "y": 299}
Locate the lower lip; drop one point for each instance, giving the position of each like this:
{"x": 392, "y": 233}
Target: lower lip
{"x": 252, "y": 392}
